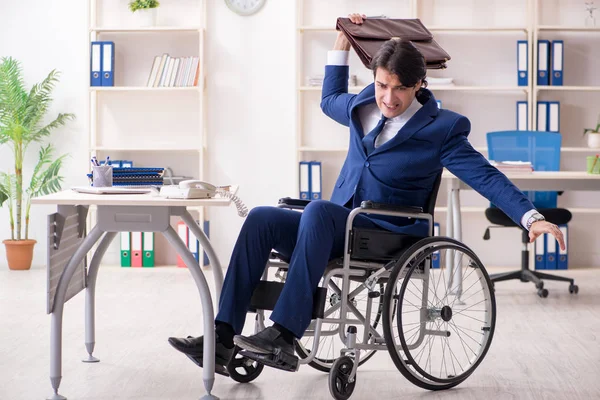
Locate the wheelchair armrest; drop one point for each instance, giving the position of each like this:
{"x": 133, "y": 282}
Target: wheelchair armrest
{"x": 294, "y": 204}
{"x": 368, "y": 204}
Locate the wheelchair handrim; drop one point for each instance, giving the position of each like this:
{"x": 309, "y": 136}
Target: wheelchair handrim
{"x": 423, "y": 251}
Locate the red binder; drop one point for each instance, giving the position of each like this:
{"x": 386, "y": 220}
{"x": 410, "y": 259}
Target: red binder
{"x": 136, "y": 249}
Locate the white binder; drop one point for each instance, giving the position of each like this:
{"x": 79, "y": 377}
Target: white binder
{"x": 553, "y": 116}
{"x": 542, "y": 117}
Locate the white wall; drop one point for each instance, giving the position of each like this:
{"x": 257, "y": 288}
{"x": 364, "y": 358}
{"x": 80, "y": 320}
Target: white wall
{"x": 250, "y": 92}
{"x": 251, "y": 108}
{"x": 46, "y": 35}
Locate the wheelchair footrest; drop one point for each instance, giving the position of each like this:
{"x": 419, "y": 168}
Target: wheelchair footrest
{"x": 282, "y": 360}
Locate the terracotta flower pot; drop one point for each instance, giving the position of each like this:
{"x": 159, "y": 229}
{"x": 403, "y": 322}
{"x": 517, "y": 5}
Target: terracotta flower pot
{"x": 19, "y": 253}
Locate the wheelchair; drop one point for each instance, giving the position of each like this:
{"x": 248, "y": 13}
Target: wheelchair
{"x": 389, "y": 292}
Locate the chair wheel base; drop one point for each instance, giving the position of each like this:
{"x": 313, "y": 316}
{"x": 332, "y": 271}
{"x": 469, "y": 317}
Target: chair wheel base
{"x": 540, "y": 285}
{"x": 543, "y": 293}
{"x": 573, "y": 289}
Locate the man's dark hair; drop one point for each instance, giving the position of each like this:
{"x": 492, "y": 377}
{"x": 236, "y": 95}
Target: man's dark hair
{"x": 403, "y": 59}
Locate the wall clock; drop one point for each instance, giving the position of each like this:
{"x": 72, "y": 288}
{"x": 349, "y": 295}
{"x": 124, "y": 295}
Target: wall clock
{"x": 245, "y": 7}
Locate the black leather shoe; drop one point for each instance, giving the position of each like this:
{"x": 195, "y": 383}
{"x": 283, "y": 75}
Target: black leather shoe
{"x": 193, "y": 348}
{"x": 267, "y": 341}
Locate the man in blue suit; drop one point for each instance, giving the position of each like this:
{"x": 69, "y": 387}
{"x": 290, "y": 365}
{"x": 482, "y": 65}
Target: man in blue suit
{"x": 399, "y": 142}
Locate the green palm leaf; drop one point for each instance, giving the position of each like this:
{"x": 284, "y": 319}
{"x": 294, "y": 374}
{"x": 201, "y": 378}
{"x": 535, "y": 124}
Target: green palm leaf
{"x": 21, "y": 116}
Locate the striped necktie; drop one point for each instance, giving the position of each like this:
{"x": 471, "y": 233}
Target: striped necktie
{"x": 369, "y": 140}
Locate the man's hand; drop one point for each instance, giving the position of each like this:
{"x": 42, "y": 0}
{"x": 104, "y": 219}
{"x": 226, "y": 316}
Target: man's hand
{"x": 341, "y": 43}
{"x": 539, "y": 227}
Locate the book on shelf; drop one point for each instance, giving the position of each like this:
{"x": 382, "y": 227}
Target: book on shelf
{"x": 167, "y": 71}
{"x": 513, "y": 166}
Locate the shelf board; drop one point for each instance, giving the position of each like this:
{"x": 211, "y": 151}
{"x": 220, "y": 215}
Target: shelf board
{"x": 143, "y": 89}
{"x": 323, "y": 149}
{"x": 117, "y": 29}
{"x": 455, "y": 88}
{"x": 570, "y": 88}
{"x": 472, "y": 29}
{"x": 476, "y": 29}
{"x": 458, "y": 88}
{"x": 161, "y": 149}
{"x": 315, "y": 28}
{"x": 351, "y": 89}
{"x": 475, "y": 209}
{"x": 568, "y": 28}
{"x": 439, "y": 28}
{"x": 563, "y": 149}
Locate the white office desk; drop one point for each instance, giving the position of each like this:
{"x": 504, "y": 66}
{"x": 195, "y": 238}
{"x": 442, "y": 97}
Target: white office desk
{"x": 68, "y": 246}
{"x": 537, "y": 180}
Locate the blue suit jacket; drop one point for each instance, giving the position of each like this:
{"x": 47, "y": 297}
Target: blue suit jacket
{"x": 402, "y": 171}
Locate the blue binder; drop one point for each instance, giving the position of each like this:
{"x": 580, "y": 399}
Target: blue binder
{"x": 522, "y": 64}
{"x": 304, "y": 181}
{"x": 550, "y": 251}
{"x": 207, "y": 233}
{"x": 563, "y": 256}
{"x": 435, "y": 257}
{"x": 557, "y": 62}
{"x": 553, "y": 116}
{"x": 108, "y": 63}
{"x": 539, "y": 251}
{"x": 543, "y": 70}
{"x": 96, "y": 64}
{"x": 315, "y": 180}
{"x": 522, "y": 116}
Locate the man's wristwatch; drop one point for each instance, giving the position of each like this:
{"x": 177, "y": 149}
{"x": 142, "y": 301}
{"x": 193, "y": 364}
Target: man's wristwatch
{"x": 534, "y": 218}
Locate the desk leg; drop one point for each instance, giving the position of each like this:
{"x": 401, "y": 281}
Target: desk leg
{"x": 90, "y": 296}
{"x": 208, "y": 372}
{"x": 210, "y": 252}
{"x": 57, "y": 312}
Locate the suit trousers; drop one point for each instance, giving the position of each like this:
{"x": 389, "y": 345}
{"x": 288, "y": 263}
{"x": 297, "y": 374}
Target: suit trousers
{"x": 310, "y": 238}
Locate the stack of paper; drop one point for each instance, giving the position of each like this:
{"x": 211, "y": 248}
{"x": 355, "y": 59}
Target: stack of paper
{"x": 513, "y": 166}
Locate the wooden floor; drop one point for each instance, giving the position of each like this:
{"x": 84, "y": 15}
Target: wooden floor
{"x": 543, "y": 348}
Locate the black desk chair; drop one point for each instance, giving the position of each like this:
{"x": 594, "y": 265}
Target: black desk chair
{"x": 542, "y": 149}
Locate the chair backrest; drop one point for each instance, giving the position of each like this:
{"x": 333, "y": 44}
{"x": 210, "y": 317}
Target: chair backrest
{"x": 542, "y": 149}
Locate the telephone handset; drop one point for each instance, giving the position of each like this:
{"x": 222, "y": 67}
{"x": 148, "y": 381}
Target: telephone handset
{"x": 196, "y": 189}
{"x": 196, "y": 184}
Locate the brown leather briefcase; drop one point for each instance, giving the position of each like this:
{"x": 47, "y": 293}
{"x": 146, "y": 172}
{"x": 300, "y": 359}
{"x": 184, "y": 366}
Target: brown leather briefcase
{"x": 367, "y": 38}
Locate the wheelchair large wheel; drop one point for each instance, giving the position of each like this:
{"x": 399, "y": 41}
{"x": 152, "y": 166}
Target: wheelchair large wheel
{"x": 439, "y": 335}
{"x": 330, "y": 343}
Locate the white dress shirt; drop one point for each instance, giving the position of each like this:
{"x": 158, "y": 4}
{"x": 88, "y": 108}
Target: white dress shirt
{"x": 370, "y": 115}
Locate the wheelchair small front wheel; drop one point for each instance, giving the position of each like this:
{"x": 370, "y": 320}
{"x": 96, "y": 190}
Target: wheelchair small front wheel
{"x": 340, "y": 386}
{"x": 242, "y": 369}
{"x": 445, "y": 317}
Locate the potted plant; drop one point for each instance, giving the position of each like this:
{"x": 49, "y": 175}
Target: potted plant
{"x": 145, "y": 10}
{"x": 21, "y": 115}
{"x": 593, "y": 138}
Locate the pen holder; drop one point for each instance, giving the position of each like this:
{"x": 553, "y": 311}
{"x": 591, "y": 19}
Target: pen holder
{"x": 102, "y": 175}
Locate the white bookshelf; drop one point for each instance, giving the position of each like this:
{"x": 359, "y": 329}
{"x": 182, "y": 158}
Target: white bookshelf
{"x": 152, "y": 126}
{"x": 481, "y": 38}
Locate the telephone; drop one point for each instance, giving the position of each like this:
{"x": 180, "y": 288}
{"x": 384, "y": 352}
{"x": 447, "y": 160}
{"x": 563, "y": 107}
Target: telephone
{"x": 196, "y": 189}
